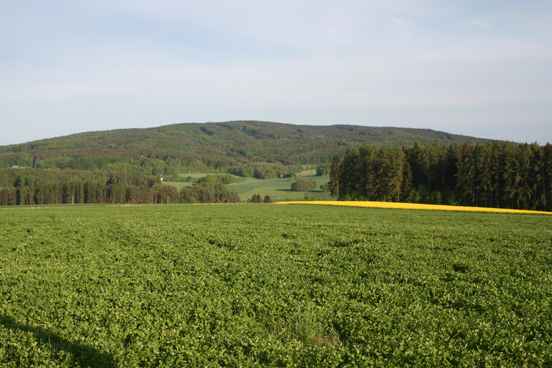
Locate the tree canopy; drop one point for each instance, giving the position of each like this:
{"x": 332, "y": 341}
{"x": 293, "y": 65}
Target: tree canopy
{"x": 490, "y": 175}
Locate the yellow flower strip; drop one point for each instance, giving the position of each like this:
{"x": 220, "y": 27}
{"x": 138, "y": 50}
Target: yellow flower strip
{"x": 416, "y": 206}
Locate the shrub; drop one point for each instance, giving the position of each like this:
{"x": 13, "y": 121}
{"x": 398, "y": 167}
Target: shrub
{"x": 303, "y": 185}
{"x": 323, "y": 170}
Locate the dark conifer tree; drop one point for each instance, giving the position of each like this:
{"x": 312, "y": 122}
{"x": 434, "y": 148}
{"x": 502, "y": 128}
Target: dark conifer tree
{"x": 335, "y": 175}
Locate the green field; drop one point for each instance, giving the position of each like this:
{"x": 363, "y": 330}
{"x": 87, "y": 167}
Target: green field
{"x": 278, "y": 189}
{"x": 261, "y": 285}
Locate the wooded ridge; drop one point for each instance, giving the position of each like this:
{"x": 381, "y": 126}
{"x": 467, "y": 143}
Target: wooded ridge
{"x": 213, "y": 147}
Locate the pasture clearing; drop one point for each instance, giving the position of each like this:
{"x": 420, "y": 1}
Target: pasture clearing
{"x": 257, "y": 285}
{"x": 279, "y": 189}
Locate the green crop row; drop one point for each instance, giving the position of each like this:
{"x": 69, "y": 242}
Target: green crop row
{"x": 273, "y": 286}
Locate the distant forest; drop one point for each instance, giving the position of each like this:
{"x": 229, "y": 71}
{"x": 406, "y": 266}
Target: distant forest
{"x": 48, "y": 186}
{"x": 488, "y": 175}
{"x": 365, "y": 163}
{"x": 247, "y": 148}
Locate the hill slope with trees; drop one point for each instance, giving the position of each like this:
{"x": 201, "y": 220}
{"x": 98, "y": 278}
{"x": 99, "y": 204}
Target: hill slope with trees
{"x": 211, "y": 147}
{"x": 364, "y": 163}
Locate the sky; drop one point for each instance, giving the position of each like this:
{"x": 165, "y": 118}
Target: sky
{"x": 478, "y": 68}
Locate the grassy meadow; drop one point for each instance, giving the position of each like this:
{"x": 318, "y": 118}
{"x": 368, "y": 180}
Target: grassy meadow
{"x": 278, "y": 189}
{"x": 265, "y": 285}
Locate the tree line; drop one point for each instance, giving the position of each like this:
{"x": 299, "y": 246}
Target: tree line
{"x": 211, "y": 189}
{"x": 48, "y": 186}
{"x": 502, "y": 175}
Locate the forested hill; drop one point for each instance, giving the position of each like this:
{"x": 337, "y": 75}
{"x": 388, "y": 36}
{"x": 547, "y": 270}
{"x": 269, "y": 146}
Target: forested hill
{"x": 194, "y": 146}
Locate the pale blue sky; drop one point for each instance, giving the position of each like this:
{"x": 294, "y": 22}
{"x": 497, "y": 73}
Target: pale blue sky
{"x": 480, "y": 68}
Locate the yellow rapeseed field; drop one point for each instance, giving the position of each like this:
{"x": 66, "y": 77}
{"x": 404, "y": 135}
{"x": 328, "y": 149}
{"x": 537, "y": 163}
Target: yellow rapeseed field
{"x": 416, "y": 206}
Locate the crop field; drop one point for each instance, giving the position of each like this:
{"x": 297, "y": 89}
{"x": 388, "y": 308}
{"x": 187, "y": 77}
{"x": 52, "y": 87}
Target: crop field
{"x": 418, "y": 206}
{"x": 267, "y": 285}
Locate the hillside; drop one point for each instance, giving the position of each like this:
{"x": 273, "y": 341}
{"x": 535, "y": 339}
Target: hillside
{"x": 211, "y": 146}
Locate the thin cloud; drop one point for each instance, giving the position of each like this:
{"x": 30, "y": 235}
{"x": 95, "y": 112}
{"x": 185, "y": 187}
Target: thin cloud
{"x": 477, "y": 23}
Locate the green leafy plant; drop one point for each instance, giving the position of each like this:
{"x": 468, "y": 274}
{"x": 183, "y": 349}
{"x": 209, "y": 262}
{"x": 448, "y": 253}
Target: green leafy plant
{"x": 272, "y": 285}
